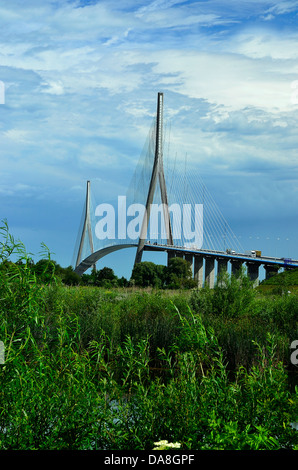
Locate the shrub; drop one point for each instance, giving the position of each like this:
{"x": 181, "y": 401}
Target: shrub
{"x": 231, "y": 297}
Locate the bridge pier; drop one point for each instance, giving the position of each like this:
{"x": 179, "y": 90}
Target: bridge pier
{"x": 189, "y": 257}
{"x": 209, "y": 272}
{"x": 199, "y": 270}
{"x": 222, "y": 265}
{"x": 236, "y": 267}
{"x": 171, "y": 254}
{"x": 253, "y": 273}
{"x": 270, "y": 271}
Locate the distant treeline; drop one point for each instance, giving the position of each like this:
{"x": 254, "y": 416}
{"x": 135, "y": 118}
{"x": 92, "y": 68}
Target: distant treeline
{"x": 177, "y": 275}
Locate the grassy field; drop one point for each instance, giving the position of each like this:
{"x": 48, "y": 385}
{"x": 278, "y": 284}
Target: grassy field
{"x": 91, "y": 368}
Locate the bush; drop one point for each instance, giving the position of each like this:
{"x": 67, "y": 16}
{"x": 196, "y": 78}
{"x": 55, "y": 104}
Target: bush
{"x": 231, "y": 297}
{"x": 147, "y": 274}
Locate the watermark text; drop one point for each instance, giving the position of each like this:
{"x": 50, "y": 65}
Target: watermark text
{"x": 1, "y": 352}
{"x": 294, "y": 355}
{"x": 131, "y": 222}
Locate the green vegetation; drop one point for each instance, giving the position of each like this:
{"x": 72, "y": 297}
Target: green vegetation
{"x": 284, "y": 282}
{"x": 176, "y": 275}
{"x": 91, "y": 367}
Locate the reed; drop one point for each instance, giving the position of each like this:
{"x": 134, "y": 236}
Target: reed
{"x": 78, "y": 367}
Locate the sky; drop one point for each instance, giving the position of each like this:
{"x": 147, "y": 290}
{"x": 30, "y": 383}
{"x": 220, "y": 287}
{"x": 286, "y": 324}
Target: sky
{"x": 78, "y": 90}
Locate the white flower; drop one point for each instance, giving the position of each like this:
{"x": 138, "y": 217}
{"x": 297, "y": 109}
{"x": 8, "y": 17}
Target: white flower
{"x": 162, "y": 445}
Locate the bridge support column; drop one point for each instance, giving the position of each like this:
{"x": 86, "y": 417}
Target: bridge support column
{"x": 199, "y": 270}
{"x": 236, "y": 267}
{"x": 189, "y": 258}
{"x": 171, "y": 254}
{"x": 209, "y": 272}
{"x": 253, "y": 273}
{"x": 270, "y": 270}
{"x": 222, "y": 265}
{"x": 86, "y": 229}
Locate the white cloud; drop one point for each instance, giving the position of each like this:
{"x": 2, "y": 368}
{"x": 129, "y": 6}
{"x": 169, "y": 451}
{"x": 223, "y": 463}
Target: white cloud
{"x": 158, "y": 5}
{"x": 54, "y": 88}
{"x": 268, "y": 17}
{"x": 228, "y": 79}
{"x": 282, "y": 7}
{"x": 81, "y": 85}
{"x": 18, "y": 135}
{"x": 259, "y": 43}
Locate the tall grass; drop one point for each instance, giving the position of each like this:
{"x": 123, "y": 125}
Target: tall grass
{"x": 78, "y": 370}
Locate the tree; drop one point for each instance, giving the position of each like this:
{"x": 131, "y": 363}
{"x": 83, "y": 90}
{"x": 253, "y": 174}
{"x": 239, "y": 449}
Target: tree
{"x": 105, "y": 277}
{"x": 179, "y": 274}
{"x": 70, "y": 278}
{"x": 123, "y": 282}
{"x": 147, "y": 274}
{"x": 87, "y": 279}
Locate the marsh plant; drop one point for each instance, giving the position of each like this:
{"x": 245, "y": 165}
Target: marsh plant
{"x": 95, "y": 369}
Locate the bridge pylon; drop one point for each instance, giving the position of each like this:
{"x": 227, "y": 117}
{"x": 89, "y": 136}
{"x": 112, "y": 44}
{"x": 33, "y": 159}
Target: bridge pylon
{"x": 86, "y": 228}
{"x": 156, "y": 176}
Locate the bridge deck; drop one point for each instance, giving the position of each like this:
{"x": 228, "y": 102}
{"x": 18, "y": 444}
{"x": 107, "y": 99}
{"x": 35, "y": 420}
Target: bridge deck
{"x": 266, "y": 260}
{"x": 261, "y": 260}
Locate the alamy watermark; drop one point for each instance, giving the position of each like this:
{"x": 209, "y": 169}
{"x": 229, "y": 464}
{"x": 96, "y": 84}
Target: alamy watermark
{"x": 126, "y": 222}
{"x": 1, "y": 352}
{"x": 2, "y": 92}
{"x": 294, "y": 355}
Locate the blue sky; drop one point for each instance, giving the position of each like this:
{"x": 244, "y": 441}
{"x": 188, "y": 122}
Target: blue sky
{"x": 81, "y": 80}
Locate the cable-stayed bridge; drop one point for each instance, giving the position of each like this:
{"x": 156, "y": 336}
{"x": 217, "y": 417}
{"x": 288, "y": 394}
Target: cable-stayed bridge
{"x": 167, "y": 208}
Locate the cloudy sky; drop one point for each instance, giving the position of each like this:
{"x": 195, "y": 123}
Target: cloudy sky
{"x": 79, "y": 82}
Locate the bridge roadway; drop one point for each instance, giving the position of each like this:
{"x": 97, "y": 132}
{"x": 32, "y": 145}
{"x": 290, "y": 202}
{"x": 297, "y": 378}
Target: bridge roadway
{"x": 196, "y": 258}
